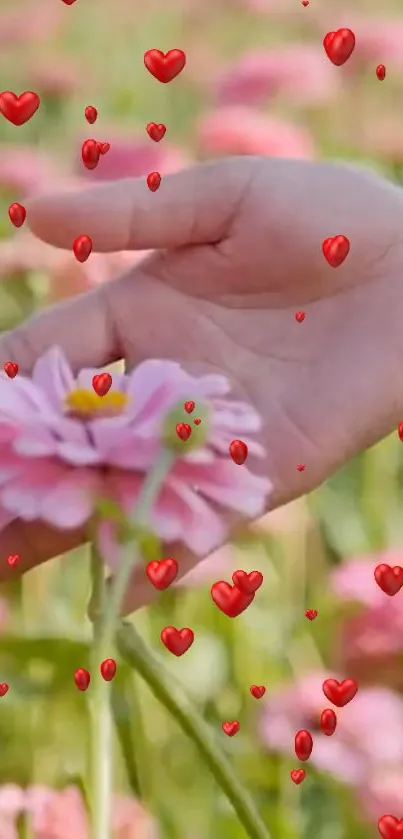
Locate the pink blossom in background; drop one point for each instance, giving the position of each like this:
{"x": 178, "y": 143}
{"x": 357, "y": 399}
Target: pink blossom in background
{"x": 58, "y": 457}
{"x": 237, "y": 130}
{"x": 54, "y": 814}
{"x": 131, "y": 157}
{"x": 56, "y": 77}
{"x": 30, "y": 24}
{"x": 369, "y": 729}
{"x": 23, "y": 170}
{"x": 370, "y": 643}
{"x": 295, "y": 72}
{"x": 383, "y": 793}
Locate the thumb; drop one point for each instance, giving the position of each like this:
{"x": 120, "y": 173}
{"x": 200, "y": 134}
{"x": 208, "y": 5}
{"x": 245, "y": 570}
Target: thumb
{"x": 193, "y": 207}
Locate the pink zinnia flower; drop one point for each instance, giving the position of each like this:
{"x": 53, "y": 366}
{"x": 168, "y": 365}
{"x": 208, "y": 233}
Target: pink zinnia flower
{"x": 237, "y": 130}
{"x": 369, "y": 729}
{"x": 24, "y": 170}
{"x": 63, "y": 448}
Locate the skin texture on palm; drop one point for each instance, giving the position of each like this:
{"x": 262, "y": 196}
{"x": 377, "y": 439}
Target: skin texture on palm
{"x": 238, "y": 249}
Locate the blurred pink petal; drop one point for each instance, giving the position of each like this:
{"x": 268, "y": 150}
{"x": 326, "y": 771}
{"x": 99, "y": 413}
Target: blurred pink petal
{"x": 31, "y": 23}
{"x": 236, "y": 130}
{"x": 55, "y": 76}
{"x": 131, "y": 157}
{"x": 369, "y": 729}
{"x": 296, "y": 72}
{"x": 382, "y": 794}
{"x": 24, "y": 170}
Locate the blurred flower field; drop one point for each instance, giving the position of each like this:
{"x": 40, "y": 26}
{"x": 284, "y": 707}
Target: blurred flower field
{"x": 256, "y": 82}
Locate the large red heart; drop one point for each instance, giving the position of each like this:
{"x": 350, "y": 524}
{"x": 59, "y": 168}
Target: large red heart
{"x": 165, "y": 67}
{"x": 390, "y": 580}
{"x": 19, "y": 109}
{"x": 177, "y": 641}
{"x": 248, "y": 583}
{"x": 340, "y": 693}
{"x": 390, "y": 827}
{"x": 162, "y": 574}
{"x": 230, "y": 599}
{"x": 339, "y": 45}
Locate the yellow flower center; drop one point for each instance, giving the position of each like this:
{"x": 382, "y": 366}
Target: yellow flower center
{"x": 86, "y": 403}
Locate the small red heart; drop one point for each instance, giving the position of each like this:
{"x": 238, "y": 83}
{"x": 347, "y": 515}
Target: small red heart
{"x": 156, "y": 131}
{"x": 17, "y": 214}
{"x": 13, "y": 559}
{"x": 390, "y": 580}
{"x": 335, "y": 250}
{"x": 298, "y": 775}
{"x": 183, "y": 431}
{"x": 380, "y": 72}
{"x": 82, "y": 247}
{"x": 189, "y": 407}
{"x": 230, "y": 728}
{"x": 164, "y": 67}
{"x": 154, "y": 181}
{"x": 11, "y": 369}
{"x": 400, "y": 430}
{"x": 303, "y": 744}
{"x": 339, "y": 45}
{"x": 311, "y": 614}
{"x": 230, "y": 599}
{"x": 238, "y": 451}
{"x": 90, "y": 152}
{"x": 4, "y": 688}
{"x": 248, "y": 583}
{"x": 108, "y": 669}
{"x": 390, "y": 827}
{"x": 91, "y": 114}
{"x": 177, "y": 641}
{"x": 304, "y": 3}
{"x": 257, "y": 691}
{"x": 68, "y": 2}
{"x": 300, "y": 316}
{"x": 162, "y": 574}
{"x": 197, "y": 420}
{"x": 340, "y": 693}
{"x": 301, "y": 467}
{"x": 328, "y": 722}
{"x": 19, "y": 109}
{"x": 104, "y": 147}
{"x": 101, "y": 383}
{"x": 82, "y": 678}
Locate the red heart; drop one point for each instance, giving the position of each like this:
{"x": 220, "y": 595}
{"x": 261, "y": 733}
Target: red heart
{"x": 335, "y": 250}
{"x": 340, "y": 693}
{"x": 17, "y": 214}
{"x": 108, "y": 669}
{"x": 301, "y": 467}
{"x": 400, "y": 430}
{"x": 91, "y": 114}
{"x": 230, "y": 728}
{"x": 328, "y": 722}
{"x": 390, "y": 827}
{"x": 156, "y": 131}
{"x": 189, "y": 406}
{"x": 238, "y": 451}
{"x": 82, "y": 678}
{"x": 248, "y": 583}
{"x": 299, "y": 316}
{"x": 177, "y": 641}
{"x": 19, "y": 109}
{"x": 230, "y": 599}
{"x": 298, "y": 775}
{"x": 162, "y": 574}
{"x": 380, "y": 72}
{"x": 82, "y": 247}
{"x": 258, "y": 691}
{"x": 4, "y": 687}
{"x": 13, "y": 559}
{"x": 303, "y": 744}
{"x": 183, "y": 431}
{"x": 90, "y": 152}
{"x": 104, "y": 147}
{"x": 390, "y": 580}
{"x": 311, "y": 614}
{"x": 101, "y": 383}
{"x": 11, "y": 368}
{"x": 164, "y": 67}
{"x": 154, "y": 181}
{"x": 197, "y": 420}
{"x": 339, "y": 45}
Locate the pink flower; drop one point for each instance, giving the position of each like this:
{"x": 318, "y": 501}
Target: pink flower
{"x": 296, "y": 72}
{"x": 24, "y": 170}
{"x": 370, "y": 642}
{"x": 131, "y": 157}
{"x": 61, "y": 814}
{"x": 55, "y": 77}
{"x": 237, "y": 130}
{"x": 382, "y": 794}
{"x": 62, "y": 448}
{"x": 369, "y": 730}
{"x": 30, "y": 24}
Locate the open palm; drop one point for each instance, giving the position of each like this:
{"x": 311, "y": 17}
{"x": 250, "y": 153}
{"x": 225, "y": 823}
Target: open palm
{"x": 238, "y": 250}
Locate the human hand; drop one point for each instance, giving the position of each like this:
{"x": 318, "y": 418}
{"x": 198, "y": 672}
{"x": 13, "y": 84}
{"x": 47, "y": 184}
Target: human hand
{"x": 238, "y": 249}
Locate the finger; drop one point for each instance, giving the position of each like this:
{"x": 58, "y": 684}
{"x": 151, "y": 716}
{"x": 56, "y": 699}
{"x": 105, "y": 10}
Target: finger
{"x": 195, "y": 206}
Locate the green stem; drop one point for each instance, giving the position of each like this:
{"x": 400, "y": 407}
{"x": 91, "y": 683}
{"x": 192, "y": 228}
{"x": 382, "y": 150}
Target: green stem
{"x": 140, "y": 658}
{"x": 101, "y": 741}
